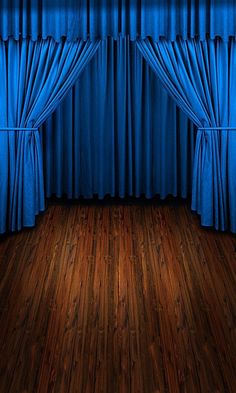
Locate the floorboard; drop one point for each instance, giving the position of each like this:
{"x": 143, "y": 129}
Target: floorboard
{"x": 118, "y": 298}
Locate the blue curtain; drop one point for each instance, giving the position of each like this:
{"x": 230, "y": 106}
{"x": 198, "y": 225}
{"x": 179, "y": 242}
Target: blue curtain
{"x": 201, "y": 76}
{"x": 101, "y": 18}
{"x": 35, "y": 76}
{"x": 118, "y": 132}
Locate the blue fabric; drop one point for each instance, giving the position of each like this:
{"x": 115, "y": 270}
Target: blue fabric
{"x": 201, "y": 77}
{"x": 35, "y": 77}
{"x": 101, "y": 18}
{"x": 118, "y": 132}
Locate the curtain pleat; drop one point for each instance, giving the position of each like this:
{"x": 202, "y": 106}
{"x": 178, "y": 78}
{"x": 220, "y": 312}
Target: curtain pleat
{"x": 80, "y": 19}
{"x": 200, "y": 75}
{"x": 35, "y": 77}
{"x": 118, "y": 132}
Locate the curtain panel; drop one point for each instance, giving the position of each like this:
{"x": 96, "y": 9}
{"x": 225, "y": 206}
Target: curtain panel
{"x": 201, "y": 77}
{"x": 80, "y": 19}
{"x": 35, "y": 76}
{"x": 118, "y": 132}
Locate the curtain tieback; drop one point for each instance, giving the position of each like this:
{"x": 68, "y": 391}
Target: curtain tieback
{"x": 217, "y": 128}
{"x": 18, "y": 129}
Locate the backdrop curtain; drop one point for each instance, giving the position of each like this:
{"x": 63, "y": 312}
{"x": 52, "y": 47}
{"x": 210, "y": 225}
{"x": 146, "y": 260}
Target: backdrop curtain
{"x": 35, "y": 76}
{"x": 76, "y": 19}
{"x": 118, "y": 132}
{"x": 201, "y": 76}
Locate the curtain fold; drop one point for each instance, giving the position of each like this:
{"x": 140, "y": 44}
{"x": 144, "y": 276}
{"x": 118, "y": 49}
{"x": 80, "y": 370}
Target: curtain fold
{"x": 35, "y": 77}
{"x": 80, "y": 19}
{"x": 200, "y": 75}
{"x": 118, "y": 132}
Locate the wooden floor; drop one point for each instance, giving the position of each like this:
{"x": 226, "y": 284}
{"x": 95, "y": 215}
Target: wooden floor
{"x": 118, "y": 298}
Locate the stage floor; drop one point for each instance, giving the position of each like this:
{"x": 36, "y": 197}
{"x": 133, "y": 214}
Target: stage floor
{"x": 118, "y": 298}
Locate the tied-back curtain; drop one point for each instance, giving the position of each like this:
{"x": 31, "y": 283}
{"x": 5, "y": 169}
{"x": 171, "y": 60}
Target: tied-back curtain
{"x": 118, "y": 132}
{"x": 201, "y": 76}
{"x": 35, "y": 76}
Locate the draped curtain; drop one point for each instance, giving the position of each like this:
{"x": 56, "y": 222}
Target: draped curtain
{"x": 189, "y": 44}
{"x": 201, "y": 76}
{"x": 35, "y": 77}
{"x": 118, "y": 132}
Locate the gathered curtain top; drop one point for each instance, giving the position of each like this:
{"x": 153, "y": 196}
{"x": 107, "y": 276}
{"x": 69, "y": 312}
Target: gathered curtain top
{"x": 82, "y": 19}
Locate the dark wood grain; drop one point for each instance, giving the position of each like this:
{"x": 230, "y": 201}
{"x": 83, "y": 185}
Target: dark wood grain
{"x": 117, "y": 299}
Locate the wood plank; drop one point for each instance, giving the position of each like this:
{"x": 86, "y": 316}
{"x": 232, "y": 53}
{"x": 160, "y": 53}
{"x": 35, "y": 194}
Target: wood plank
{"x": 118, "y": 298}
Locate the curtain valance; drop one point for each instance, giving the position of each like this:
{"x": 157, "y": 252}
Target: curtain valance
{"x": 101, "y": 18}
